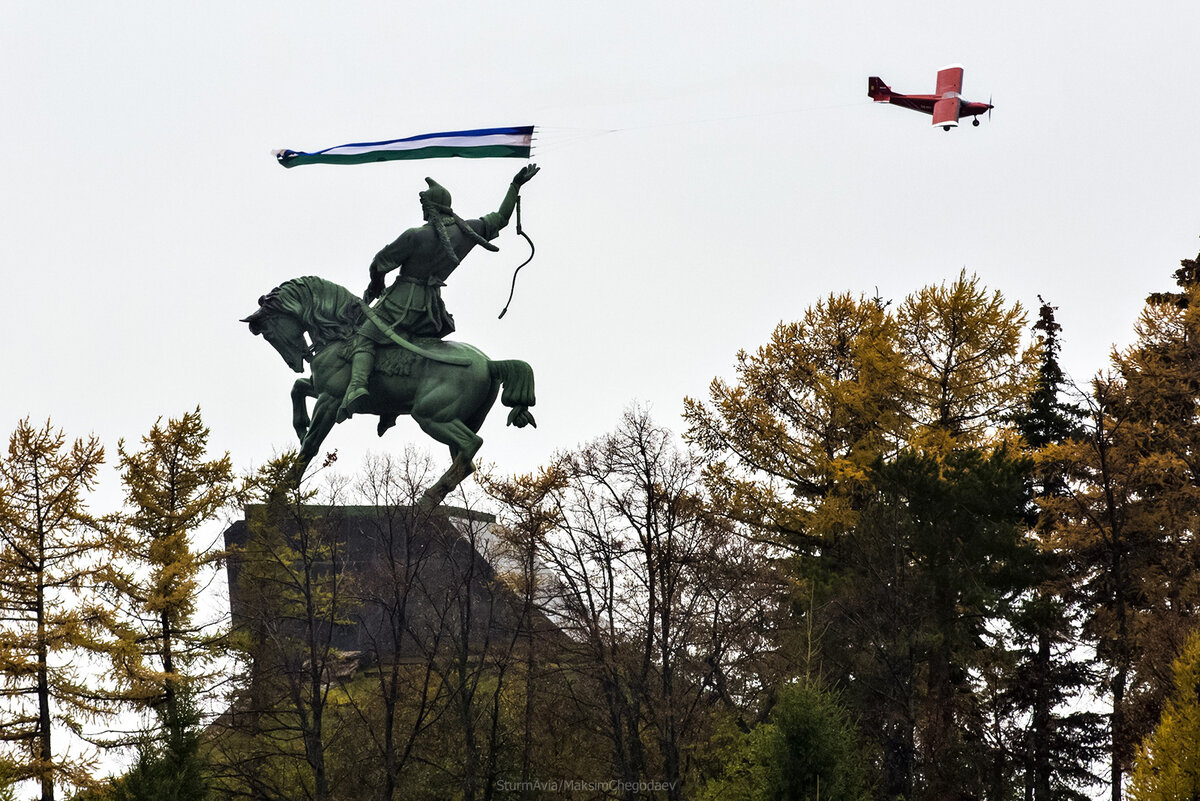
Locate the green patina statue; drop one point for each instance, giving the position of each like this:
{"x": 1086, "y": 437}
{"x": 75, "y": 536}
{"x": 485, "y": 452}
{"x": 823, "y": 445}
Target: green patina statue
{"x": 425, "y": 256}
{"x": 447, "y": 387}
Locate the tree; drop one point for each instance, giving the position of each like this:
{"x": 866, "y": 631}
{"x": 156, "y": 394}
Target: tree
{"x": 1161, "y": 377}
{"x": 400, "y": 704}
{"x": 965, "y": 365}
{"x": 52, "y": 625}
{"x": 481, "y": 632}
{"x": 1045, "y": 418}
{"x": 788, "y": 446}
{"x": 530, "y": 517}
{"x": 1168, "y": 764}
{"x": 943, "y": 548}
{"x": 172, "y": 489}
{"x": 292, "y": 577}
{"x": 1105, "y": 536}
{"x": 809, "y": 749}
{"x": 166, "y": 768}
{"x": 1128, "y": 520}
{"x": 442, "y": 639}
{"x": 1054, "y": 749}
{"x": 877, "y": 445}
{"x": 565, "y": 710}
{"x": 7, "y": 782}
{"x": 665, "y": 610}
{"x": 1049, "y": 738}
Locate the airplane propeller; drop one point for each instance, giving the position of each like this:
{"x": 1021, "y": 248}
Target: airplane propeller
{"x": 975, "y": 121}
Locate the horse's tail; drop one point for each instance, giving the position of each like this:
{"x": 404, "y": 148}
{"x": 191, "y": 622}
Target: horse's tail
{"x": 516, "y": 377}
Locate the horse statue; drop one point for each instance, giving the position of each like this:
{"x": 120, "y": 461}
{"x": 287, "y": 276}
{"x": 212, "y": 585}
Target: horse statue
{"x": 447, "y": 387}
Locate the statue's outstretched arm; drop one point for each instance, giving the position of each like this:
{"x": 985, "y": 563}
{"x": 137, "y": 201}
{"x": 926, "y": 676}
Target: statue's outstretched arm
{"x": 504, "y": 213}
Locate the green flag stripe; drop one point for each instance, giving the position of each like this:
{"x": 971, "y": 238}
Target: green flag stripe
{"x": 437, "y": 152}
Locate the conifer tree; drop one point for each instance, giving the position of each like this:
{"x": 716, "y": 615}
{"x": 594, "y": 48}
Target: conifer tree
{"x": 808, "y": 750}
{"x": 1168, "y": 765}
{"x": 966, "y": 368}
{"x": 875, "y": 444}
{"x": 1053, "y": 748}
{"x": 172, "y": 489}
{"x": 949, "y": 552}
{"x": 1046, "y": 417}
{"x": 1161, "y": 377}
{"x": 51, "y": 622}
{"x": 1128, "y": 521}
{"x": 1104, "y": 536}
{"x": 790, "y": 444}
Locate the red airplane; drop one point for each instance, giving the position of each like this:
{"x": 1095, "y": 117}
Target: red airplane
{"x": 945, "y": 104}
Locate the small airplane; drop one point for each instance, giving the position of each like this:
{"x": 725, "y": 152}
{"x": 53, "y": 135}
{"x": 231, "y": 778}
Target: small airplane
{"x": 945, "y": 104}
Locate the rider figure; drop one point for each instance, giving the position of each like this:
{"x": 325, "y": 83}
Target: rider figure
{"x": 412, "y": 306}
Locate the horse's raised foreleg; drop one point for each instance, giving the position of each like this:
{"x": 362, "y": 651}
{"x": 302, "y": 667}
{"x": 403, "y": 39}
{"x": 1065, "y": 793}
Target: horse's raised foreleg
{"x": 302, "y": 390}
{"x": 324, "y": 415}
{"x": 464, "y": 444}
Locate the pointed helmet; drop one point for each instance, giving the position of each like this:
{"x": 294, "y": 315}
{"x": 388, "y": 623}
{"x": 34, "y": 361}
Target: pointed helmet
{"x": 436, "y": 195}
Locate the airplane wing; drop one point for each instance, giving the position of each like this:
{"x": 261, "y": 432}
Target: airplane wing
{"x": 945, "y": 112}
{"x": 948, "y": 93}
{"x": 949, "y": 81}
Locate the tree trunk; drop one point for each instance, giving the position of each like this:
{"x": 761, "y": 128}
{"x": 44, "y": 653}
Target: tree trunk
{"x": 45, "y": 745}
{"x": 1042, "y": 710}
{"x": 530, "y": 667}
{"x": 45, "y": 750}
{"x": 175, "y": 734}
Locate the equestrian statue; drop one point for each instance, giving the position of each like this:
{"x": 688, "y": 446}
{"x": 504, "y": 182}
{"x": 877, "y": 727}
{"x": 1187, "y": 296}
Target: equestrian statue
{"x": 391, "y": 358}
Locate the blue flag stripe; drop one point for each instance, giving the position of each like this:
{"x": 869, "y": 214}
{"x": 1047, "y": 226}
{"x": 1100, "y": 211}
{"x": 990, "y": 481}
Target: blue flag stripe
{"x": 515, "y": 137}
{"x": 522, "y": 130}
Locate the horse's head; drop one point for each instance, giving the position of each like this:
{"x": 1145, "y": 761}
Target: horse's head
{"x": 283, "y": 331}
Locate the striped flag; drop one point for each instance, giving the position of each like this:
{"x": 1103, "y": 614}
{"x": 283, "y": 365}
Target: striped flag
{"x": 481, "y": 143}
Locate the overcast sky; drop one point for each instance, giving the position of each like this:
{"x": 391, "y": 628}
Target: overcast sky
{"x": 708, "y": 170}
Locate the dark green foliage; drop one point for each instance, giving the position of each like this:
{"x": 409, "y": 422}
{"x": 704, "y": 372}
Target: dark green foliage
{"x": 1053, "y": 749}
{"x": 808, "y": 750}
{"x": 166, "y": 771}
{"x": 937, "y": 557}
{"x": 961, "y": 515}
{"x": 815, "y": 752}
{"x": 960, "y": 519}
{"x": 171, "y": 768}
{"x": 1047, "y": 418}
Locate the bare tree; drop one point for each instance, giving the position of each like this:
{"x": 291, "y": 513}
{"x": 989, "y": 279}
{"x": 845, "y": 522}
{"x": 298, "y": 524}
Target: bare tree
{"x": 292, "y": 584}
{"x": 657, "y": 596}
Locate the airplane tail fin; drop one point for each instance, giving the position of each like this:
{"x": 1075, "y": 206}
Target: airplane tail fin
{"x": 878, "y": 91}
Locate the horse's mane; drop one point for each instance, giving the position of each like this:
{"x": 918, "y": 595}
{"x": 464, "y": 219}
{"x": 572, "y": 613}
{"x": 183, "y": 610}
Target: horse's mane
{"x": 329, "y": 311}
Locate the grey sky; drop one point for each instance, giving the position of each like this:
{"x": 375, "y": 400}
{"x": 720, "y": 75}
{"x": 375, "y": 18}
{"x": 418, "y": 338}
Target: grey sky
{"x": 746, "y": 175}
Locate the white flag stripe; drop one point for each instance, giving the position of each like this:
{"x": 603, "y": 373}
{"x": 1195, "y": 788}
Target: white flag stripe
{"x": 441, "y": 141}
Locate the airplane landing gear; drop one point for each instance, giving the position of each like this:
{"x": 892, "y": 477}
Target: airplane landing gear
{"x": 947, "y": 127}
{"x": 975, "y": 122}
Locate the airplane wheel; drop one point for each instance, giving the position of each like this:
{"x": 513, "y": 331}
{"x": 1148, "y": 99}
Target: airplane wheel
{"x": 946, "y": 127}
{"x": 975, "y": 122}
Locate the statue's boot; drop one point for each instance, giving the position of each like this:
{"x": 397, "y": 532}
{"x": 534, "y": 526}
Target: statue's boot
{"x": 356, "y": 397}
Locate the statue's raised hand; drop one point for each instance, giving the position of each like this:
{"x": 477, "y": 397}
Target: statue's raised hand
{"x": 527, "y": 172}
